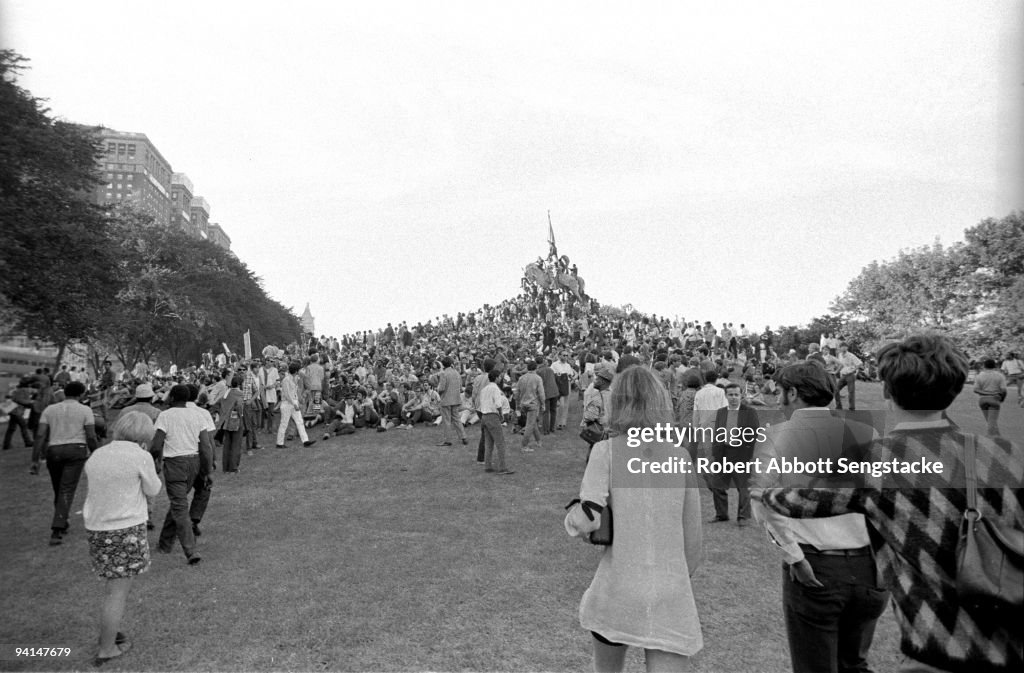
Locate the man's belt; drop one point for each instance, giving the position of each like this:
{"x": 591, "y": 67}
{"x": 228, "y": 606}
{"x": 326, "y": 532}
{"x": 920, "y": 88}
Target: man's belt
{"x": 859, "y": 551}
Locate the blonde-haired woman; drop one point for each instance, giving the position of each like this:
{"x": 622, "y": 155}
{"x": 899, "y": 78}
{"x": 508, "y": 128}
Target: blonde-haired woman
{"x": 641, "y": 594}
{"x": 120, "y": 474}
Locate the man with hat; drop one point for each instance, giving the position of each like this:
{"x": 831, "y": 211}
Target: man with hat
{"x": 144, "y": 402}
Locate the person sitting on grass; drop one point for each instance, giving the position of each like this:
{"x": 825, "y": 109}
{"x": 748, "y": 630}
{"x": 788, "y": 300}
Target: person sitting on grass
{"x": 344, "y": 419}
{"x": 389, "y": 411}
{"x": 367, "y": 416}
{"x": 467, "y": 414}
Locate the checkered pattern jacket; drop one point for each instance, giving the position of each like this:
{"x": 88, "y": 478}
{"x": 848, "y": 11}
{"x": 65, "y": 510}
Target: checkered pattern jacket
{"x": 914, "y": 523}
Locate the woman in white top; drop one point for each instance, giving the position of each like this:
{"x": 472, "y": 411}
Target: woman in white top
{"x": 641, "y": 594}
{"x": 120, "y": 475}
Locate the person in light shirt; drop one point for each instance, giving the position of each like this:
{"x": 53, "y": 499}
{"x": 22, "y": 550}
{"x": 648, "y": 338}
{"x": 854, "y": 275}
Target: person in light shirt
{"x": 1013, "y": 368}
{"x": 564, "y": 376}
{"x": 493, "y": 407}
{"x": 65, "y": 437}
{"x": 847, "y": 377}
{"x": 183, "y": 445}
{"x": 121, "y": 475}
{"x": 830, "y": 590}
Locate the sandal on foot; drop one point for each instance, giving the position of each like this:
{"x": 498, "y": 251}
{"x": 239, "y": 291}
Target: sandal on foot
{"x": 124, "y": 647}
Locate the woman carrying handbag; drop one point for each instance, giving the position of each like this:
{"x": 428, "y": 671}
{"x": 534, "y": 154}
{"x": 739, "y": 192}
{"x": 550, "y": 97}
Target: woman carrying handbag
{"x": 641, "y": 594}
{"x": 230, "y": 426}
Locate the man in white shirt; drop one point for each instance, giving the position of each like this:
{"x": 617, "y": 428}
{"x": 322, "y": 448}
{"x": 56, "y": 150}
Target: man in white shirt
{"x": 831, "y": 595}
{"x": 564, "y": 376}
{"x": 270, "y": 381}
{"x": 493, "y": 406}
{"x": 847, "y": 377}
{"x": 66, "y": 435}
{"x": 183, "y": 444}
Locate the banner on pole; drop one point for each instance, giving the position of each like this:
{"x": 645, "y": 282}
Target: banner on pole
{"x": 227, "y": 351}
{"x": 247, "y": 341}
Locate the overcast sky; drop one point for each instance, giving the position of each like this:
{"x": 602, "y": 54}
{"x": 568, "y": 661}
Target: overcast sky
{"x": 395, "y": 161}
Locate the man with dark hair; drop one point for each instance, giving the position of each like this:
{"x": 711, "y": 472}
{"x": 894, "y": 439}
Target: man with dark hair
{"x": 990, "y": 386}
{"x": 627, "y": 359}
{"x": 916, "y": 519}
{"x": 847, "y": 377}
{"x": 66, "y": 435}
{"x": 449, "y": 387}
{"x": 183, "y": 445}
{"x": 493, "y": 407}
{"x": 831, "y": 596}
{"x": 550, "y": 406}
{"x": 733, "y": 447}
{"x": 21, "y": 398}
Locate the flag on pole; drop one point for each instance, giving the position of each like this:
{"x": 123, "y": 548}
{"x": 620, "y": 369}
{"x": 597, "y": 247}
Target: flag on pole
{"x": 227, "y": 351}
{"x": 247, "y": 342}
{"x": 553, "y": 251}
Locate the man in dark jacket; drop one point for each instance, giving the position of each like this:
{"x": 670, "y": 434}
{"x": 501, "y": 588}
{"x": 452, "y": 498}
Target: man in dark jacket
{"x": 547, "y": 377}
{"x": 735, "y": 434}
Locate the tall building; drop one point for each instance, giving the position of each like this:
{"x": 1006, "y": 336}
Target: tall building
{"x": 218, "y": 236}
{"x": 307, "y": 321}
{"x": 135, "y": 171}
{"x": 200, "y": 212}
{"x": 181, "y": 203}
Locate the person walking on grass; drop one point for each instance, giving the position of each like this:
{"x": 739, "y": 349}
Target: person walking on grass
{"x": 990, "y": 385}
{"x": 121, "y": 476}
{"x": 65, "y": 437}
{"x": 182, "y": 444}
{"x": 290, "y": 408}
{"x": 641, "y": 595}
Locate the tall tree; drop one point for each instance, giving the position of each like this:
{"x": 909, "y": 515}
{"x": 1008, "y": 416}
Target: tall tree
{"x": 996, "y": 247}
{"x": 56, "y": 267}
{"x": 928, "y": 287}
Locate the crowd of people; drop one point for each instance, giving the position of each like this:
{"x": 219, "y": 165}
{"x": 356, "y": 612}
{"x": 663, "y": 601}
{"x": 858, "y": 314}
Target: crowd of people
{"x": 511, "y": 368}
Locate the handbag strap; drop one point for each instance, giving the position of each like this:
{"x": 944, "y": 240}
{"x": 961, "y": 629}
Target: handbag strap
{"x": 970, "y": 465}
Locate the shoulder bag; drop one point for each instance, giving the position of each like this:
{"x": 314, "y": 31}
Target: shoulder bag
{"x": 990, "y": 556}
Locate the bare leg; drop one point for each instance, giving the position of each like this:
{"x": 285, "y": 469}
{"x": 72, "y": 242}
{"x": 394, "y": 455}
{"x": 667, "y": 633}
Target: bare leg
{"x": 111, "y": 613}
{"x": 659, "y": 661}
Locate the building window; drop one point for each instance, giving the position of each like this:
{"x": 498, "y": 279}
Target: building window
{"x": 131, "y": 151}
{"x": 110, "y": 176}
{"x": 120, "y": 148}
{"x": 109, "y": 195}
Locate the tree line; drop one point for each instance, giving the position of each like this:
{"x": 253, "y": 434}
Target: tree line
{"x": 971, "y": 291}
{"x": 76, "y": 273}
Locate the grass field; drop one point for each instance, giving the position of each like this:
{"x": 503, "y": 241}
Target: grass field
{"x": 383, "y": 552}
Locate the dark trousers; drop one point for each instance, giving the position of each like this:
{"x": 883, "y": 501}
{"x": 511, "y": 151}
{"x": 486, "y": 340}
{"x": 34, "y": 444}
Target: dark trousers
{"x": 719, "y": 485}
{"x": 200, "y": 499}
{"x": 830, "y": 629}
{"x": 231, "y": 451}
{"x": 848, "y": 381}
{"x": 180, "y": 475}
{"x": 550, "y": 412}
{"x": 252, "y": 419}
{"x": 14, "y": 421}
{"x": 494, "y": 437}
{"x": 65, "y": 463}
{"x": 268, "y": 418}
